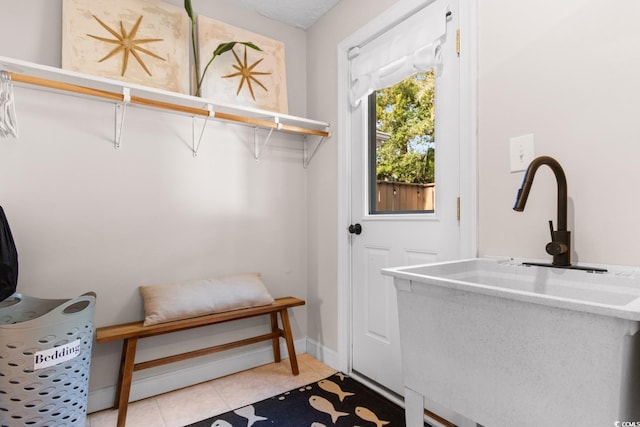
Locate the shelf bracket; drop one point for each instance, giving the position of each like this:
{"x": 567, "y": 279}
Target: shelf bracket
{"x": 196, "y": 147}
{"x": 308, "y": 154}
{"x": 256, "y": 143}
{"x": 121, "y": 110}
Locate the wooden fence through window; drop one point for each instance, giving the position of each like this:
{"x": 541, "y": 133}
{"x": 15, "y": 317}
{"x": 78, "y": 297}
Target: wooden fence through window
{"x": 404, "y": 196}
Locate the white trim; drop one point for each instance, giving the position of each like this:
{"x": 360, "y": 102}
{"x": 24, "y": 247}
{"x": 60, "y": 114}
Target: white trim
{"x": 468, "y": 148}
{"x": 469, "y": 129}
{"x": 323, "y": 354}
{"x": 154, "y": 385}
{"x": 344, "y": 210}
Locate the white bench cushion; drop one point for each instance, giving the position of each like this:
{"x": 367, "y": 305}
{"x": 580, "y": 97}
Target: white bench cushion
{"x": 165, "y": 303}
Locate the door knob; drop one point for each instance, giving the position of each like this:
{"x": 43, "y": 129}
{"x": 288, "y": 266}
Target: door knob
{"x": 355, "y": 229}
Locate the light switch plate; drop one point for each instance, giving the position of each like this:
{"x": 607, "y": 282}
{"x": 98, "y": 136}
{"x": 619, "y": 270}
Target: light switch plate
{"x": 521, "y": 152}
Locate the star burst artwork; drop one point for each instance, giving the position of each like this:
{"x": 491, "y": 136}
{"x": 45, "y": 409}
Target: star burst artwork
{"x": 244, "y": 76}
{"x": 139, "y": 41}
{"x": 247, "y": 74}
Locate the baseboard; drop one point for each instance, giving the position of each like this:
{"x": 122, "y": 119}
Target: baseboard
{"x": 151, "y": 386}
{"x": 323, "y": 354}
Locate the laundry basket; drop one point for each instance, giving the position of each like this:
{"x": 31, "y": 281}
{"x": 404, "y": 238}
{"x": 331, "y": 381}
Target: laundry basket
{"x": 45, "y": 357}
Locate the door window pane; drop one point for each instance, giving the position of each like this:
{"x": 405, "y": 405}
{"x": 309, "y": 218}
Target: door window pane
{"x": 402, "y": 146}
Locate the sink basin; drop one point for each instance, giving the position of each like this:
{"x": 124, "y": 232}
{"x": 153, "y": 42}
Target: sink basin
{"x": 613, "y": 293}
{"x": 503, "y": 344}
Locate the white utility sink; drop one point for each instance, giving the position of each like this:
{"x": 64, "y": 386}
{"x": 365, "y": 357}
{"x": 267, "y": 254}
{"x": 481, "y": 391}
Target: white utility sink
{"x": 612, "y": 293}
{"x": 505, "y": 344}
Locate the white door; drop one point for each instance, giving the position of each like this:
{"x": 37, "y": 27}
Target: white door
{"x": 393, "y": 238}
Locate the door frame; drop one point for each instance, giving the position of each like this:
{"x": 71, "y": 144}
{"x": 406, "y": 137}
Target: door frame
{"x": 468, "y": 150}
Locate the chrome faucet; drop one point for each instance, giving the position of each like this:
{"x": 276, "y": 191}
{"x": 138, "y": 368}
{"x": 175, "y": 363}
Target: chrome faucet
{"x": 560, "y": 245}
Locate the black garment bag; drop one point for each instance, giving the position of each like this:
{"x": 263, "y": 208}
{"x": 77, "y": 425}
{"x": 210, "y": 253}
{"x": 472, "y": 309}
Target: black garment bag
{"x": 8, "y": 259}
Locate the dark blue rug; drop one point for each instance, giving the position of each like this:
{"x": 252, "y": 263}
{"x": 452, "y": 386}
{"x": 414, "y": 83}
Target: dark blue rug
{"x": 337, "y": 401}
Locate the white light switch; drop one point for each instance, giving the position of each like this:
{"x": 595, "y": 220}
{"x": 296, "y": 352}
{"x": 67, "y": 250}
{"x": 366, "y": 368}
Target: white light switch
{"x": 521, "y": 152}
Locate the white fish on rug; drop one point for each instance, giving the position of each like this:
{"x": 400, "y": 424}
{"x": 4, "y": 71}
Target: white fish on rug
{"x": 249, "y": 412}
{"x": 334, "y": 388}
{"x": 368, "y": 415}
{"x": 323, "y": 405}
{"x": 221, "y": 423}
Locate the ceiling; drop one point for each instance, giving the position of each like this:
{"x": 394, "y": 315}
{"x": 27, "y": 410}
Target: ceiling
{"x": 297, "y": 13}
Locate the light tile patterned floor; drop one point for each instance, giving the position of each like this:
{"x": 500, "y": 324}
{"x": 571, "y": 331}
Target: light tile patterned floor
{"x": 191, "y": 404}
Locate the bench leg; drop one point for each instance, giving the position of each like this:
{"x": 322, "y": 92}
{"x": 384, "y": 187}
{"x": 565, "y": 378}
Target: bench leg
{"x": 276, "y": 340}
{"x": 127, "y": 362}
{"x": 288, "y": 337}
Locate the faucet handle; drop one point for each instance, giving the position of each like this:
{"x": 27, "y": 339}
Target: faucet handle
{"x": 555, "y": 246}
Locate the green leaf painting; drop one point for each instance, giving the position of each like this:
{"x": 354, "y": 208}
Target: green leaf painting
{"x": 222, "y": 48}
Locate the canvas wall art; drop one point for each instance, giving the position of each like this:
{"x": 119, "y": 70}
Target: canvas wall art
{"x": 145, "y": 42}
{"x": 243, "y": 76}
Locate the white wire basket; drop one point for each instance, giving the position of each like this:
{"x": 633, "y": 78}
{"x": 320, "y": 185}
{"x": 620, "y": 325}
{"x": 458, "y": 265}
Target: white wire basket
{"x": 45, "y": 359}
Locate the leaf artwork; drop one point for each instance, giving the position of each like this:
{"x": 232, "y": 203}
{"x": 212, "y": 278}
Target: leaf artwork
{"x": 244, "y": 70}
{"x": 127, "y": 43}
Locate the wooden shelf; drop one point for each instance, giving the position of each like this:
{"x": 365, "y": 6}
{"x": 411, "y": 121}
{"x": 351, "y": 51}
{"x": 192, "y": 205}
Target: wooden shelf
{"x": 119, "y": 93}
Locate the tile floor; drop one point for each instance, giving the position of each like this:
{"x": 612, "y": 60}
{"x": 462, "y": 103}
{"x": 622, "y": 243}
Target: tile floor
{"x": 195, "y": 403}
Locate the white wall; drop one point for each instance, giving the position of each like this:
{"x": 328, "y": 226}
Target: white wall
{"x": 568, "y": 73}
{"x": 323, "y": 234}
{"x": 88, "y": 217}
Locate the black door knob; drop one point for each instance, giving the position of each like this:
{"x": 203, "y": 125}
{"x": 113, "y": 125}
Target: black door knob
{"x": 355, "y": 229}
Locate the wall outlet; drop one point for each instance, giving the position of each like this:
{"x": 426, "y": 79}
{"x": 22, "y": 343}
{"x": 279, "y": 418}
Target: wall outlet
{"x": 521, "y": 152}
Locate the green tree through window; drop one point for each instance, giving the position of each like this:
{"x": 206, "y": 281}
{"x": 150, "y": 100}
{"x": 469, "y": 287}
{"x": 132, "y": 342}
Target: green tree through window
{"x": 406, "y": 112}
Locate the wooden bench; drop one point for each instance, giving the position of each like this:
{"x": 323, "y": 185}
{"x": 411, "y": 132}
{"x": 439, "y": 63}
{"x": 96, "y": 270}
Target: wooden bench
{"x": 131, "y": 332}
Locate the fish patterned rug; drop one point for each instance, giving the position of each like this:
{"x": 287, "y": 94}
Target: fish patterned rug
{"x": 336, "y": 401}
